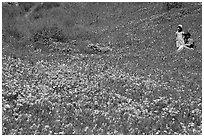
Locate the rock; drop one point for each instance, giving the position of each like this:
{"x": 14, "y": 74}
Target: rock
{"x": 99, "y": 47}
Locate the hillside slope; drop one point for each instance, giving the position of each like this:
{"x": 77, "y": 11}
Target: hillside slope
{"x": 53, "y": 83}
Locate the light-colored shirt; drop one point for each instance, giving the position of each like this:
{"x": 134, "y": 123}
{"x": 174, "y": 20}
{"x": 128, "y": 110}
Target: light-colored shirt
{"x": 179, "y": 39}
{"x": 190, "y": 41}
{"x": 179, "y": 36}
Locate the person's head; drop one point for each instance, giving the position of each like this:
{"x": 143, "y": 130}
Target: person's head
{"x": 179, "y": 28}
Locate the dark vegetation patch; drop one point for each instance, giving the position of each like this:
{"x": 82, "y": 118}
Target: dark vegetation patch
{"x": 172, "y": 5}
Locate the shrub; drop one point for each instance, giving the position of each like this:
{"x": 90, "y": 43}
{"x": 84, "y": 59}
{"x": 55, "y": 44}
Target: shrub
{"x": 47, "y": 21}
{"x": 47, "y": 29}
{"x": 171, "y": 5}
{"x": 53, "y": 24}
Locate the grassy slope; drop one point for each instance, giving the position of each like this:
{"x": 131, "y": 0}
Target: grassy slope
{"x": 139, "y": 88}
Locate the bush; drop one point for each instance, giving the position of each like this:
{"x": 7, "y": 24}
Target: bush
{"x": 47, "y": 21}
{"x": 171, "y": 5}
{"x": 47, "y": 29}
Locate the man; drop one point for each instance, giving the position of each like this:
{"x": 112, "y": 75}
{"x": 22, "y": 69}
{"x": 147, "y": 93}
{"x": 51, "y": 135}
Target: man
{"x": 179, "y": 36}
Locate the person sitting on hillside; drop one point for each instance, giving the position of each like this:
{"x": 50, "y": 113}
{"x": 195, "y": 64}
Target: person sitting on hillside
{"x": 189, "y": 42}
{"x": 179, "y": 36}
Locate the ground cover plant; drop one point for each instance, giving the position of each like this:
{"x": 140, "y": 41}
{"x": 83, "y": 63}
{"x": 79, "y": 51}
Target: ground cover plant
{"x": 54, "y": 83}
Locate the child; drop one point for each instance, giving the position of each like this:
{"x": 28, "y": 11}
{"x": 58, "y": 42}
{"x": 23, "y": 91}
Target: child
{"x": 189, "y": 42}
{"x": 179, "y": 36}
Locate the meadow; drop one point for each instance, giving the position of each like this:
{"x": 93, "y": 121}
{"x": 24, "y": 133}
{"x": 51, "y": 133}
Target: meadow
{"x": 54, "y": 84}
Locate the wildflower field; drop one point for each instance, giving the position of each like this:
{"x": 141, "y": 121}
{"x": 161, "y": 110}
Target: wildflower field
{"x": 54, "y": 84}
